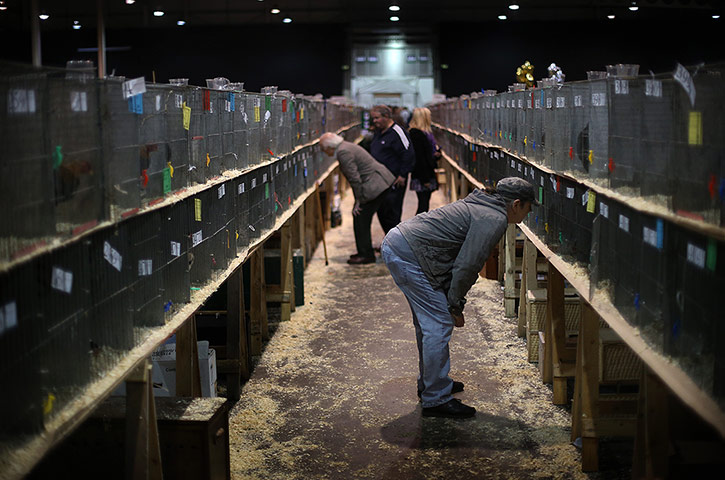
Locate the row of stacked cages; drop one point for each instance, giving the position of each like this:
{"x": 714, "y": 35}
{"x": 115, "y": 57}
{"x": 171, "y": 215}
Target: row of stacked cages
{"x": 641, "y": 136}
{"x": 665, "y": 279}
{"x": 77, "y": 154}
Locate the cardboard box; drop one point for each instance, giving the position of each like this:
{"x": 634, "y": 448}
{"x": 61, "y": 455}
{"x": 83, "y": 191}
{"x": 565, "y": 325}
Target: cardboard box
{"x": 163, "y": 373}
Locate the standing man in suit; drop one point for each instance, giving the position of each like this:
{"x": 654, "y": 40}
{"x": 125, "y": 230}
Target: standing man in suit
{"x": 370, "y": 182}
{"x": 391, "y": 146}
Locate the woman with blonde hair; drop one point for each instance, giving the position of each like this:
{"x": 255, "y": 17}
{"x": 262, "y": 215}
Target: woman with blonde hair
{"x": 423, "y": 177}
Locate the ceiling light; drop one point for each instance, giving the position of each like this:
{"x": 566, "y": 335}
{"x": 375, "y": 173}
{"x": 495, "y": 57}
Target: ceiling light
{"x": 275, "y": 11}
{"x": 158, "y": 13}
{"x": 130, "y": 2}
{"x": 43, "y": 16}
{"x": 514, "y": 6}
{"x": 3, "y": 6}
{"x": 394, "y": 8}
{"x": 502, "y": 17}
{"x": 394, "y": 18}
{"x": 715, "y": 16}
{"x": 286, "y": 20}
{"x": 76, "y": 25}
{"x": 633, "y": 7}
{"x": 611, "y": 16}
{"x": 181, "y": 22}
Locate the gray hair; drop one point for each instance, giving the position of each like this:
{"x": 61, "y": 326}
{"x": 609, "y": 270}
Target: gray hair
{"x": 331, "y": 140}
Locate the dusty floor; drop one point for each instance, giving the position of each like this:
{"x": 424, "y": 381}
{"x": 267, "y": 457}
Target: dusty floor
{"x": 333, "y": 395}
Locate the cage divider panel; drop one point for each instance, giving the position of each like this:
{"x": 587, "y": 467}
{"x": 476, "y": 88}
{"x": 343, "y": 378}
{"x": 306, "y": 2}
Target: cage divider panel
{"x": 243, "y": 232}
{"x": 240, "y": 125}
{"x": 656, "y": 134}
{"x": 583, "y": 227}
{"x": 197, "y": 140}
{"x": 177, "y": 137}
{"x": 627, "y": 240}
{"x": 625, "y": 107}
{"x": 153, "y": 151}
{"x": 121, "y": 148}
{"x": 568, "y": 226}
{"x": 20, "y": 368}
{"x": 228, "y": 159}
{"x": 74, "y": 126}
{"x": 579, "y": 128}
{"x": 175, "y": 243}
{"x": 599, "y": 129}
{"x": 562, "y": 114}
{"x": 147, "y": 285}
{"x": 201, "y": 230}
{"x": 254, "y": 104}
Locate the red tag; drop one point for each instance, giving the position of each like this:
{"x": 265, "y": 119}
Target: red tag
{"x": 270, "y": 152}
{"x": 571, "y": 153}
{"x": 711, "y": 186}
{"x": 207, "y": 101}
{"x": 558, "y": 184}
{"x": 474, "y": 156}
{"x": 284, "y": 105}
{"x": 145, "y": 177}
{"x": 297, "y": 116}
{"x": 532, "y": 99}
{"x": 289, "y": 199}
{"x": 611, "y": 165}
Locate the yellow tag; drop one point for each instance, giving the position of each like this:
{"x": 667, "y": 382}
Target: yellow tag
{"x": 237, "y": 235}
{"x": 208, "y": 159}
{"x": 171, "y": 169}
{"x": 256, "y": 114}
{"x": 48, "y": 404}
{"x": 298, "y": 135}
{"x": 546, "y": 227}
{"x": 186, "y": 115}
{"x": 694, "y": 135}
{"x": 525, "y": 140}
{"x": 591, "y": 202}
{"x": 469, "y": 105}
{"x": 591, "y": 157}
{"x": 197, "y": 209}
{"x": 302, "y": 113}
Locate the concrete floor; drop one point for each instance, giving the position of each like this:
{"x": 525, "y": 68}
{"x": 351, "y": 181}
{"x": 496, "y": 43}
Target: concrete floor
{"x": 334, "y": 393}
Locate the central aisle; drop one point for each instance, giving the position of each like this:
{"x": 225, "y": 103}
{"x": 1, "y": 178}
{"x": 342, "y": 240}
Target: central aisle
{"x": 334, "y": 394}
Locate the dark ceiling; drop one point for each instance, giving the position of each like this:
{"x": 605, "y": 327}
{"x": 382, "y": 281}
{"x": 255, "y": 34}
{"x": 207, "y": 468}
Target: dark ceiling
{"x": 120, "y": 15}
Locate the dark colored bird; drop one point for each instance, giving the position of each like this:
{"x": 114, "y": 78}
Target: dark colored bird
{"x": 68, "y": 178}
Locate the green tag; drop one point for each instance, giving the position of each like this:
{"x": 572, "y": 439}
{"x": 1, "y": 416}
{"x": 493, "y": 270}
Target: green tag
{"x": 711, "y": 255}
{"x": 167, "y": 180}
{"x": 541, "y": 195}
{"x": 268, "y": 103}
{"x": 57, "y": 157}
{"x": 266, "y": 191}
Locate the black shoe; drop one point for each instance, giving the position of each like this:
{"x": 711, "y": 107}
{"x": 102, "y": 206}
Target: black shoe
{"x": 360, "y": 260}
{"x": 451, "y": 409}
{"x": 457, "y": 387}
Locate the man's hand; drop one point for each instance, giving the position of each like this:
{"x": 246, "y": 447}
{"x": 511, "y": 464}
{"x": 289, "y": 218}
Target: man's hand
{"x": 458, "y": 320}
{"x": 356, "y": 209}
{"x": 399, "y": 182}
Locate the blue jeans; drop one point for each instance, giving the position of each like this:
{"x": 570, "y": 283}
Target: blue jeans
{"x": 433, "y": 323}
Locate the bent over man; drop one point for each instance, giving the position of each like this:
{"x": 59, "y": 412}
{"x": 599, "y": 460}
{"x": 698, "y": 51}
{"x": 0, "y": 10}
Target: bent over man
{"x": 435, "y": 258}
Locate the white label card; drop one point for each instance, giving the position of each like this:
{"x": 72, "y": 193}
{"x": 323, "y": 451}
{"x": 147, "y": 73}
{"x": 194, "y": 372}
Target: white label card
{"x": 549, "y": 102}
{"x": 112, "y": 256}
{"x": 175, "y": 249}
{"x": 254, "y": 182}
{"x": 604, "y": 209}
{"x": 569, "y": 192}
{"x": 683, "y": 77}
{"x": 264, "y": 178}
{"x": 696, "y": 255}
{"x": 653, "y": 88}
{"x": 650, "y": 236}
{"x": 145, "y": 267}
{"x": 8, "y": 316}
{"x": 577, "y": 100}
{"x": 599, "y": 99}
{"x": 221, "y": 191}
{"x": 560, "y": 102}
{"x": 133, "y": 87}
{"x": 78, "y": 101}
{"x": 240, "y": 188}
{"x": 196, "y": 238}
{"x": 624, "y": 223}
{"x": 61, "y": 280}
{"x": 21, "y": 101}
{"x": 158, "y": 102}
{"x": 621, "y": 87}
{"x": 178, "y": 100}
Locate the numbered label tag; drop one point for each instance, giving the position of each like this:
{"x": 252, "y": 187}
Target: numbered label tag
{"x": 61, "y": 280}
{"x": 624, "y": 222}
{"x": 196, "y": 238}
{"x": 112, "y": 256}
{"x": 653, "y": 88}
{"x": 696, "y": 255}
{"x": 175, "y": 249}
{"x": 145, "y": 267}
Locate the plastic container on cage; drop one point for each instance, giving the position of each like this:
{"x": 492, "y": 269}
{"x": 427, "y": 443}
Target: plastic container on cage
{"x": 217, "y": 83}
{"x": 596, "y": 75}
{"x": 237, "y": 86}
{"x": 623, "y": 70}
{"x": 179, "y": 82}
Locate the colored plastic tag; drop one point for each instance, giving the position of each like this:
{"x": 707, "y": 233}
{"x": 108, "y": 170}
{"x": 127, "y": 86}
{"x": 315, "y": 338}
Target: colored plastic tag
{"x": 197, "y": 209}
{"x": 171, "y": 169}
{"x": 57, "y": 157}
{"x": 167, "y": 180}
{"x": 694, "y": 128}
{"x": 208, "y": 159}
{"x": 186, "y": 115}
{"x": 711, "y": 255}
{"x": 591, "y": 203}
{"x": 268, "y": 103}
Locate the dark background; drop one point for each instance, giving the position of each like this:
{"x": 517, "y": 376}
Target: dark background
{"x": 309, "y": 58}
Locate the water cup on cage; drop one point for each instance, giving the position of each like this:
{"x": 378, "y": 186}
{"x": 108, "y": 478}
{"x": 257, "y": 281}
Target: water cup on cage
{"x": 238, "y": 86}
{"x": 217, "y": 83}
{"x": 518, "y": 87}
{"x": 623, "y": 70}
{"x": 596, "y": 75}
{"x": 179, "y": 82}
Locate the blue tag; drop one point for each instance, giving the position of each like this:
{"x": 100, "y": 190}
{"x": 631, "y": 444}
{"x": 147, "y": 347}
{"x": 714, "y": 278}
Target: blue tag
{"x": 135, "y": 104}
{"x": 231, "y": 101}
{"x": 295, "y": 169}
{"x": 722, "y": 189}
{"x": 167, "y": 307}
{"x": 305, "y": 172}
{"x": 660, "y": 234}
{"x": 636, "y": 301}
{"x": 534, "y": 145}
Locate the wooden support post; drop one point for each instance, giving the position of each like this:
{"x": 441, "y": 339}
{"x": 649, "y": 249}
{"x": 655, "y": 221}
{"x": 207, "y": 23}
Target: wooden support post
{"x": 236, "y": 335}
{"x": 285, "y": 272}
{"x": 464, "y": 187}
{"x": 509, "y": 281}
{"x": 143, "y": 454}
{"x": 528, "y": 282}
{"x": 561, "y": 362}
{"x": 585, "y": 409}
{"x": 321, "y": 220}
{"x": 188, "y": 380}
{"x": 258, "y": 300}
{"x": 453, "y": 188}
{"x": 651, "y": 444}
{"x": 311, "y": 230}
